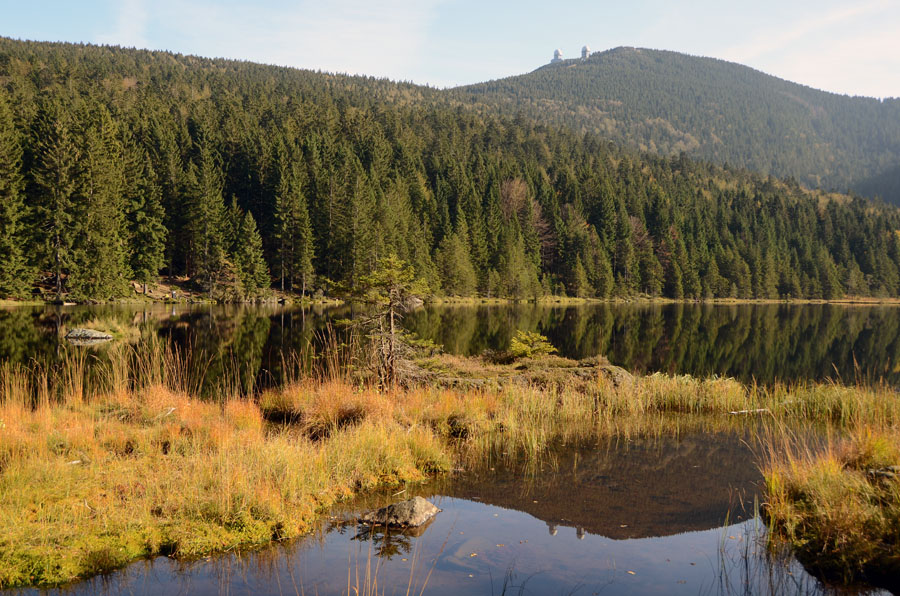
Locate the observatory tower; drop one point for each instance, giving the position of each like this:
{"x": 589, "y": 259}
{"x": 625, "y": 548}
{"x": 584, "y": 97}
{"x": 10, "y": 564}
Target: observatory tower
{"x": 585, "y": 52}
{"x": 557, "y": 56}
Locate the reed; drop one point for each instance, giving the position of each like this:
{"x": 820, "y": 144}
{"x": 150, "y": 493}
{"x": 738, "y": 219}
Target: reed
{"x": 836, "y": 501}
{"x": 103, "y": 461}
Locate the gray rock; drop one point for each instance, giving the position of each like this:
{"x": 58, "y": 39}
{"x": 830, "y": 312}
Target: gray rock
{"x": 81, "y": 337}
{"x": 618, "y": 375}
{"x": 413, "y": 302}
{"x": 406, "y": 514}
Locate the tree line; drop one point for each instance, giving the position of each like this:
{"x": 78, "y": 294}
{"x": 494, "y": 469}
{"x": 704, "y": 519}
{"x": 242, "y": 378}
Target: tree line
{"x": 120, "y": 165}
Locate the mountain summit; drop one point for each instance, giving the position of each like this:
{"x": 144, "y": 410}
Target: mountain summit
{"x": 667, "y": 102}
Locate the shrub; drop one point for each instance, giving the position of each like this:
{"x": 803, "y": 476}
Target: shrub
{"x": 528, "y": 344}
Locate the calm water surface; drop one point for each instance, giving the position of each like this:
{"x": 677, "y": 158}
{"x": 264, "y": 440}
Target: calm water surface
{"x": 751, "y": 342}
{"x": 661, "y": 516}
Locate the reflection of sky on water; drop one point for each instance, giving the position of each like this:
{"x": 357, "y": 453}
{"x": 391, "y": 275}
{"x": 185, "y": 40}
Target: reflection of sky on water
{"x": 501, "y": 541}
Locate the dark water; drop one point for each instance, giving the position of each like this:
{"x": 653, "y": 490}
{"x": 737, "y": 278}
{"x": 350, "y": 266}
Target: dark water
{"x": 751, "y": 342}
{"x": 661, "y": 516}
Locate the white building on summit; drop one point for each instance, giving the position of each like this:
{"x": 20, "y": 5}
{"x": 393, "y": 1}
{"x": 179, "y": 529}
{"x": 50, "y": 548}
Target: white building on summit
{"x": 558, "y": 55}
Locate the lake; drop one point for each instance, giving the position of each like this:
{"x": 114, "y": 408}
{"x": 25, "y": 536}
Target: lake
{"x": 752, "y": 342}
{"x": 671, "y": 515}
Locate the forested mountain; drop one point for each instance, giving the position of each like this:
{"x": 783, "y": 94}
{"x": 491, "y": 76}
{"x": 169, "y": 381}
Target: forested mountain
{"x": 666, "y": 102}
{"x": 120, "y": 164}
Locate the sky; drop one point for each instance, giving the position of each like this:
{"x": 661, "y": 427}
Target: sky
{"x": 843, "y": 46}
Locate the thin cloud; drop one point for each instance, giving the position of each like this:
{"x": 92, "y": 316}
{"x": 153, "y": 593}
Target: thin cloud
{"x": 769, "y": 42}
{"x": 353, "y": 36}
{"x": 131, "y": 25}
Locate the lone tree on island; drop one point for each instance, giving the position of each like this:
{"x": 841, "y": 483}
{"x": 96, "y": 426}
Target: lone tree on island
{"x": 393, "y": 290}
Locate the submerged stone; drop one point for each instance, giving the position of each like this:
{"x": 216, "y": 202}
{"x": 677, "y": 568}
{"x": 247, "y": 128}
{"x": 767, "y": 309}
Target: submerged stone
{"x": 406, "y": 514}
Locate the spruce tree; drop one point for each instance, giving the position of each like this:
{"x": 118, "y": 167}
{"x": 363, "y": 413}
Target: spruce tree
{"x": 456, "y": 269}
{"x": 304, "y": 252}
{"x": 601, "y": 274}
{"x": 14, "y": 276}
{"x": 581, "y": 287}
{"x": 248, "y": 259}
{"x": 293, "y": 232}
{"x": 146, "y": 217}
{"x": 283, "y": 230}
{"x": 55, "y": 174}
{"x": 99, "y": 264}
{"x": 207, "y": 217}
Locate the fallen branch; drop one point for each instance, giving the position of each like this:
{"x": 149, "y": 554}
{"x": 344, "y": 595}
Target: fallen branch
{"x": 161, "y": 416}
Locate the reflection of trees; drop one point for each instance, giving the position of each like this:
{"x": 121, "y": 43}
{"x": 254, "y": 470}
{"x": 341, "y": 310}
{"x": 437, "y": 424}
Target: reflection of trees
{"x": 388, "y": 543}
{"x": 225, "y": 346}
{"x": 765, "y": 342}
{"x": 21, "y": 336}
{"x": 253, "y": 347}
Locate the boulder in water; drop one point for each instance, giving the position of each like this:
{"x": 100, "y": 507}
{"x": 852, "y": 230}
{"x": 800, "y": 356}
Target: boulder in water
{"x": 406, "y": 514}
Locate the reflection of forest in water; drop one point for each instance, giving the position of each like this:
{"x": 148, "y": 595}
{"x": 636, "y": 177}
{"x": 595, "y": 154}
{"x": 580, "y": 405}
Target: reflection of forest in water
{"x": 749, "y": 341}
{"x": 251, "y": 345}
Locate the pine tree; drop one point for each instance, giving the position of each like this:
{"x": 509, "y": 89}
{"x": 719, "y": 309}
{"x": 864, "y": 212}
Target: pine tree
{"x": 14, "y": 273}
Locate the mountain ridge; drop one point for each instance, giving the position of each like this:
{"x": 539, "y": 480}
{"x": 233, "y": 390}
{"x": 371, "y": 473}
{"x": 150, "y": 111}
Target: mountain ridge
{"x": 666, "y": 102}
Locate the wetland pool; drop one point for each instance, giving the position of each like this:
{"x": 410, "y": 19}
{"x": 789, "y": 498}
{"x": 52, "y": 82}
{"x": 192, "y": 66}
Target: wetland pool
{"x": 648, "y": 516}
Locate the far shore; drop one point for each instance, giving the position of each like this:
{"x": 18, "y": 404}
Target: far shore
{"x": 279, "y": 298}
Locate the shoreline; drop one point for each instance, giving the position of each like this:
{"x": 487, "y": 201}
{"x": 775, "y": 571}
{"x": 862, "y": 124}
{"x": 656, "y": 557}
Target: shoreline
{"x": 479, "y": 301}
{"x": 139, "y": 467}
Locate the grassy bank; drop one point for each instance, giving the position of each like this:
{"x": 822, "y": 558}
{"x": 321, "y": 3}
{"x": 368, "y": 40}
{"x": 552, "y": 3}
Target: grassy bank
{"x": 94, "y": 474}
{"x": 838, "y": 504}
{"x": 88, "y": 487}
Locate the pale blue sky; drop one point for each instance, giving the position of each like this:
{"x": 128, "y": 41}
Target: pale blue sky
{"x": 846, "y": 46}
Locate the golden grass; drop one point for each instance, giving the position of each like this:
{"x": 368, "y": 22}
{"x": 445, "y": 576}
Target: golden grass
{"x": 101, "y": 465}
{"x": 86, "y": 487}
{"x": 838, "y": 503}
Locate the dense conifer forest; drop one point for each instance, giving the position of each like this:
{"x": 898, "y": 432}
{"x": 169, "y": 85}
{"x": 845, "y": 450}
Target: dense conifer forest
{"x": 667, "y": 102}
{"x": 120, "y": 165}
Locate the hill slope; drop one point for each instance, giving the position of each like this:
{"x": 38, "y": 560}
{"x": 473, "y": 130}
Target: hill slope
{"x": 666, "y": 102}
{"x": 117, "y": 164}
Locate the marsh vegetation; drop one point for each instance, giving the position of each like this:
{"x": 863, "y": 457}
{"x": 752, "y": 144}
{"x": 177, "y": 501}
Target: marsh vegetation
{"x": 124, "y": 459}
